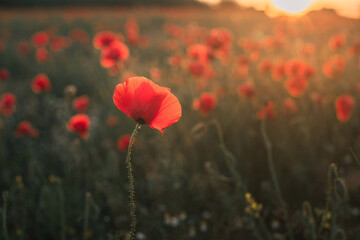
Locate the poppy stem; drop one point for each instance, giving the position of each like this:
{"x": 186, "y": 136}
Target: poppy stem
{"x": 5, "y": 198}
{"x": 274, "y": 177}
{"x": 131, "y": 183}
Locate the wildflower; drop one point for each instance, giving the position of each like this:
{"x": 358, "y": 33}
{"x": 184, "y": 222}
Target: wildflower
{"x": 41, "y": 55}
{"x": 337, "y": 41}
{"x": 40, "y": 39}
{"x": 19, "y": 181}
{"x": 52, "y": 178}
{"x": 80, "y": 124}
{"x": 247, "y": 90}
{"x": 205, "y": 103}
{"x": 147, "y": 103}
{"x": 267, "y": 110}
{"x": 123, "y": 142}
{"x": 4, "y": 74}
{"x": 23, "y": 48}
{"x": 192, "y": 231}
{"x": 252, "y": 207}
{"x": 78, "y": 34}
{"x": 198, "y": 52}
{"x": 203, "y": 226}
{"x": 344, "y": 105}
{"x": 334, "y": 66}
{"x": 296, "y": 86}
{"x": 26, "y": 129}
{"x": 7, "y": 104}
{"x": 81, "y": 104}
{"x": 155, "y": 74}
{"x": 115, "y": 54}
{"x": 40, "y": 83}
{"x": 265, "y": 66}
{"x": 105, "y": 39}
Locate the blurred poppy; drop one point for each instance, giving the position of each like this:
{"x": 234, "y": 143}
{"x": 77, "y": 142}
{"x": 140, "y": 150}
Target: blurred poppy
{"x": 344, "y": 105}
{"x": 113, "y": 55}
{"x": 247, "y": 90}
{"x": 4, "y": 74}
{"x": 219, "y": 38}
{"x": 278, "y": 71}
{"x": 147, "y": 103}
{"x": 104, "y": 39}
{"x": 79, "y": 124}
{"x": 123, "y": 142}
{"x": 197, "y": 68}
{"x": 41, "y": 55}
{"x": 40, "y": 39}
{"x": 309, "y": 49}
{"x": 337, "y": 41}
{"x": 26, "y": 129}
{"x": 334, "y": 66}
{"x": 23, "y": 48}
{"x": 264, "y": 66}
{"x": 40, "y": 83}
{"x": 267, "y": 111}
{"x": 205, "y": 103}
{"x": 81, "y": 104}
{"x": 7, "y": 104}
{"x": 289, "y": 106}
{"x": 296, "y": 86}
{"x": 175, "y": 60}
{"x": 198, "y": 52}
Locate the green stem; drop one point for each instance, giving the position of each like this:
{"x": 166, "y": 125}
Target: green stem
{"x": 5, "y": 196}
{"x": 355, "y": 156}
{"x": 62, "y": 211}
{"x": 131, "y": 183}
{"x": 86, "y": 214}
{"x": 274, "y": 177}
{"x": 264, "y": 228}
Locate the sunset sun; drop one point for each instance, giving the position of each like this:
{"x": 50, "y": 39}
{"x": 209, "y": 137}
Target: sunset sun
{"x": 292, "y": 6}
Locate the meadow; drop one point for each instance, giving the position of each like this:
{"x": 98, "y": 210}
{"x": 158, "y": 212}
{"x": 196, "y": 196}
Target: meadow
{"x": 266, "y": 147}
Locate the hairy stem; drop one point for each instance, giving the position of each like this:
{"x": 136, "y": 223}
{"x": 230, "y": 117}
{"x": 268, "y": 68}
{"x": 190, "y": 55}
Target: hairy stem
{"x": 131, "y": 183}
{"x": 5, "y": 233}
{"x": 274, "y": 177}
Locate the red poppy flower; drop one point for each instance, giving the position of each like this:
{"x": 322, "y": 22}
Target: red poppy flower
{"x": 296, "y": 86}
{"x": 198, "y": 52}
{"x": 79, "y": 124}
{"x": 26, "y": 129}
{"x": 175, "y": 60}
{"x": 147, "y": 103}
{"x": 81, "y": 104}
{"x": 289, "y": 106}
{"x": 337, "y": 41}
{"x": 105, "y": 39}
{"x": 264, "y": 66}
{"x": 41, "y": 55}
{"x": 40, "y": 83}
{"x": 197, "y": 68}
{"x": 112, "y": 121}
{"x": 123, "y": 142}
{"x": 344, "y": 106}
{"x": 267, "y": 111}
{"x": 113, "y": 55}
{"x": 278, "y": 71}
{"x": 23, "y": 48}
{"x": 247, "y": 90}
{"x": 4, "y": 74}
{"x": 219, "y": 38}
{"x": 40, "y": 39}
{"x": 7, "y": 104}
{"x": 205, "y": 104}
{"x": 334, "y": 66}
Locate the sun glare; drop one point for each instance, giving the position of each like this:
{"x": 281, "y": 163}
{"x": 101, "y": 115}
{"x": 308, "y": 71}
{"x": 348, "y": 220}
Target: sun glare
{"x": 292, "y": 6}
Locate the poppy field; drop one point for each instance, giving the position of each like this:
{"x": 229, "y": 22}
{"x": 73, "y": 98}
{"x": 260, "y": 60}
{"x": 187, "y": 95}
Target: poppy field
{"x": 179, "y": 123}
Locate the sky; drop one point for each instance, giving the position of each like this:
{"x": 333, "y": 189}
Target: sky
{"x": 347, "y": 8}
